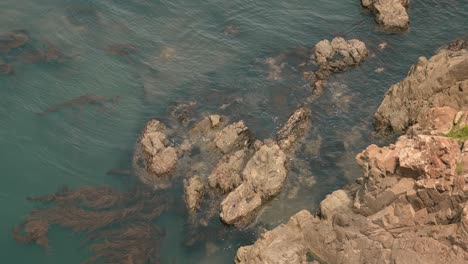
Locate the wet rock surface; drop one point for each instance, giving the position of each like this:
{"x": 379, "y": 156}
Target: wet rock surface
{"x": 154, "y": 158}
{"x": 264, "y": 176}
{"x": 294, "y": 129}
{"x": 227, "y": 174}
{"x": 440, "y": 81}
{"x": 410, "y": 205}
{"x": 392, "y": 15}
{"x": 396, "y": 213}
{"x": 194, "y": 191}
{"x": 336, "y": 56}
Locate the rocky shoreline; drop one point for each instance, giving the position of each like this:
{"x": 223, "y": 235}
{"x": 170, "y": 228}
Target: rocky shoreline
{"x": 410, "y": 205}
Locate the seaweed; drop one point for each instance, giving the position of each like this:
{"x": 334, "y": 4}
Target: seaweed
{"x": 119, "y": 224}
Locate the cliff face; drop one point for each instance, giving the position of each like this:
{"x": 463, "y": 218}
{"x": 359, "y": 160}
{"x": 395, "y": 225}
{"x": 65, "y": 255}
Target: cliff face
{"x": 440, "y": 81}
{"x": 410, "y": 205}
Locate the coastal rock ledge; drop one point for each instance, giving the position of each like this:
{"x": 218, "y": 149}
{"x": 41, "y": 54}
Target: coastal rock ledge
{"x": 411, "y": 204}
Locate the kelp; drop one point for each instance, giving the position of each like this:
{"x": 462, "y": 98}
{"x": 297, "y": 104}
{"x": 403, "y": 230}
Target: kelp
{"x": 119, "y": 224}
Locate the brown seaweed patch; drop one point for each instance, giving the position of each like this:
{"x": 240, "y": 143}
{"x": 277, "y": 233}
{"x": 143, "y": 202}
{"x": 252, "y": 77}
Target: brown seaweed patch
{"x": 119, "y": 224}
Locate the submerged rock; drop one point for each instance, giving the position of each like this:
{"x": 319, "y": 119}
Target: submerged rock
{"x": 13, "y": 40}
{"x": 194, "y": 191}
{"x": 440, "y": 81}
{"x": 264, "y": 176}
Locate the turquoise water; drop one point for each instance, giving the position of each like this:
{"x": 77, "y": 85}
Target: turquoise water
{"x": 77, "y": 146}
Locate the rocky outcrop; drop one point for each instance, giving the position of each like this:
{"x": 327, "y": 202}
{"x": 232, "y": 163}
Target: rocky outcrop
{"x": 409, "y": 207}
{"x": 194, "y": 190}
{"x": 440, "y": 81}
{"x": 233, "y": 137}
{"x": 263, "y": 176}
{"x": 390, "y": 14}
{"x": 336, "y": 56}
{"x": 227, "y": 174}
{"x": 154, "y": 158}
{"x": 294, "y": 129}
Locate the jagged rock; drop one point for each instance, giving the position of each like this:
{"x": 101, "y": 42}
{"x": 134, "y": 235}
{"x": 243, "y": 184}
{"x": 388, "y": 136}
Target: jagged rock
{"x": 429, "y": 157}
{"x": 437, "y": 121}
{"x": 337, "y": 55}
{"x": 337, "y": 201}
{"x": 440, "y": 81}
{"x": 194, "y": 191}
{"x": 264, "y": 176}
{"x": 294, "y": 129}
{"x": 208, "y": 127}
{"x": 390, "y": 14}
{"x": 227, "y": 174}
{"x": 233, "y": 137}
{"x": 284, "y": 245}
{"x": 386, "y": 218}
{"x": 154, "y": 158}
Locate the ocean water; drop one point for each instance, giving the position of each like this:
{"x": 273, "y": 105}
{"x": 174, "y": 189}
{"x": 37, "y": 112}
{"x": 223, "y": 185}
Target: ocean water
{"x": 184, "y": 55}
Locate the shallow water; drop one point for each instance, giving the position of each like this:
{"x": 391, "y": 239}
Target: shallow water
{"x": 184, "y": 55}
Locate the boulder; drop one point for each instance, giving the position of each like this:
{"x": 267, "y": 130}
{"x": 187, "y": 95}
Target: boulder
{"x": 154, "y": 158}
{"x": 335, "y": 56}
{"x": 233, "y": 137}
{"x": 440, "y": 81}
{"x": 294, "y": 130}
{"x": 338, "y": 54}
{"x": 263, "y": 178}
{"x": 390, "y": 14}
{"x": 227, "y": 174}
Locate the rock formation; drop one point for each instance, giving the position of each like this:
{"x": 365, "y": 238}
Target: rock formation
{"x": 227, "y": 174}
{"x": 411, "y": 204}
{"x": 390, "y": 14}
{"x": 294, "y": 129}
{"x": 154, "y": 158}
{"x": 263, "y": 175}
{"x": 336, "y": 56}
{"x": 440, "y": 81}
{"x": 194, "y": 191}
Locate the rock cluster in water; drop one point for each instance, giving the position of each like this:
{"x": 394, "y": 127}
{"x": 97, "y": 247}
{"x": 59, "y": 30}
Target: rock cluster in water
{"x": 227, "y": 171}
{"x": 390, "y": 14}
{"x": 335, "y": 56}
{"x": 410, "y": 206}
